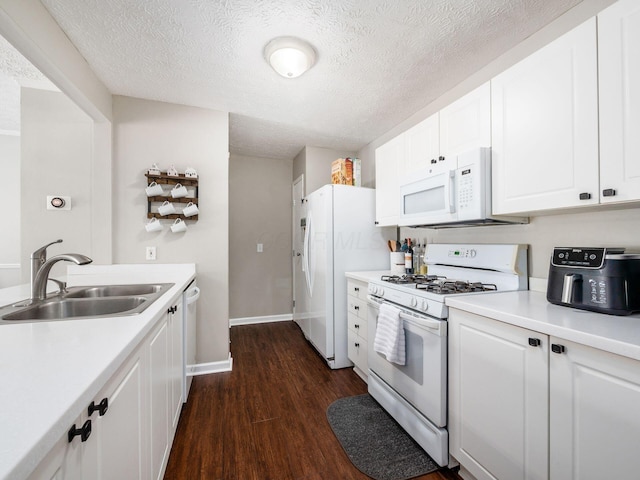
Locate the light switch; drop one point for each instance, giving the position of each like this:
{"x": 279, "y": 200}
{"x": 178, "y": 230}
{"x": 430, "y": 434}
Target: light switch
{"x": 260, "y": 248}
{"x": 151, "y": 253}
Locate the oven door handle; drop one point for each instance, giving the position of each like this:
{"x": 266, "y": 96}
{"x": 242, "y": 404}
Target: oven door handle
{"x": 438, "y": 326}
{"x": 435, "y": 325}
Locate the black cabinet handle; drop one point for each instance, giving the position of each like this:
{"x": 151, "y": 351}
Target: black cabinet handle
{"x": 441, "y": 158}
{"x": 357, "y": 344}
{"x": 357, "y": 289}
{"x": 433, "y": 160}
{"x": 84, "y": 432}
{"x": 609, "y": 192}
{"x": 556, "y": 348}
{"x": 173, "y": 309}
{"x": 585, "y": 196}
{"x": 102, "y": 407}
{"x": 376, "y": 223}
{"x": 357, "y": 326}
{"x": 534, "y": 342}
{"x": 356, "y": 307}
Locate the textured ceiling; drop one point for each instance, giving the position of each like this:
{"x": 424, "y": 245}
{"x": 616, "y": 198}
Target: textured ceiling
{"x": 379, "y": 61}
{"x": 15, "y": 71}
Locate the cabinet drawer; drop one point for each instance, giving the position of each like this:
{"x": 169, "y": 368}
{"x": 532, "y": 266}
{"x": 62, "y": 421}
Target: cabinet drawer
{"x": 358, "y": 325}
{"x": 357, "y": 307}
{"x": 357, "y": 289}
{"x": 357, "y": 351}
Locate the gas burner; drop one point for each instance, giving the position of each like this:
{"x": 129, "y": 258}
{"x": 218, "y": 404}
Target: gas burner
{"x": 457, "y": 286}
{"x": 411, "y": 278}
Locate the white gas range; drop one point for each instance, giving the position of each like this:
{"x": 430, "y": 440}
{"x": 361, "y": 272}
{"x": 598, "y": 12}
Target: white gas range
{"x": 415, "y": 393}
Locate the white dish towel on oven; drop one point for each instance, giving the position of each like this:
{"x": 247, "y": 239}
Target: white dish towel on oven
{"x": 389, "y": 340}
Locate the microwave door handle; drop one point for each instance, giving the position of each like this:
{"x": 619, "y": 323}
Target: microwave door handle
{"x": 451, "y": 194}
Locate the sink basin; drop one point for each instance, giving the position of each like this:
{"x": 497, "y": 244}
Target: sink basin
{"x": 113, "y": 290}
{"x": 74, "y": 307}
{"x": 88, "y": 302}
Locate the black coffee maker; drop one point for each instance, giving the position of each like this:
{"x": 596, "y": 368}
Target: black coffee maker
{"x": 605, "y": 280}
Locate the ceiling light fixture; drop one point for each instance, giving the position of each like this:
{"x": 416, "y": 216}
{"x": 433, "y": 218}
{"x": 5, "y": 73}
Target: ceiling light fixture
{"x": 289, "y": 56}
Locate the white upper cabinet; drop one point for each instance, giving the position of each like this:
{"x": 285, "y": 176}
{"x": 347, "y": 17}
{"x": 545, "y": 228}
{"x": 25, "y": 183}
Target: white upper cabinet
{"x": 544, "y": 114}
{"x": 388, "y": 158}
{"x": 466, "y": 123}
{"x": 619, "y": 75}
{"x": 422, "y": 146}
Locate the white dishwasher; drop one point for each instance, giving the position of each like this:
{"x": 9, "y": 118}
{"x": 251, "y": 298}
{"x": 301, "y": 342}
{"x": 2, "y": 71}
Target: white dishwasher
{"x": 190, "y": 298}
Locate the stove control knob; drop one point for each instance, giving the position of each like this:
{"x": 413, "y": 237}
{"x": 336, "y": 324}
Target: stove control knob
{"x": 373, "y": 289}
{"x": 424, "y": 306}
{"x": 380, "y": 291}
{"x": 414, "y": 302}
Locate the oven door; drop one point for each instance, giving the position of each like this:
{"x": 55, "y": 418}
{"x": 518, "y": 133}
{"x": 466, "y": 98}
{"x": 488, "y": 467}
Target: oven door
{"x": 429, "y": 200}
{"x": 422, "y": 380}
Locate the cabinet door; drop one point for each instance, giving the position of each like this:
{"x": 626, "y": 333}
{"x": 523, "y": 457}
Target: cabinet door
{"x": 64, "y": 461}
{"x": 498, "y": 386}
{"x": 175, "y": 335}
{"x": 159, "y": 401}
{"x": 422, "y": 147}
{"x": 594, "y": 417}
{"x": 388, "y": 157}
{"x": 619, "y": 76}
{"x": 544, "y": 114}
{"x": 118, "y": 435}
{"x": 466, "y": 123}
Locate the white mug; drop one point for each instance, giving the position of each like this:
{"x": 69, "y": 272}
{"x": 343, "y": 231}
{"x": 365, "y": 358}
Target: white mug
{"x": 190, "y": 210}
{"x": 153, "y": 190}
{"x": 179, "y": 191}
{"x": 153, "y": 225}
{"x": 179, "y": 226}
{"x": 166, "y": 208}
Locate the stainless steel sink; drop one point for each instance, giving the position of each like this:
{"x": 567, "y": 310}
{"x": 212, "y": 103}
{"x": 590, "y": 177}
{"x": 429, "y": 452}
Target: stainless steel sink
{"x": 113, "y": 290}
{"x": 88, "y": 302}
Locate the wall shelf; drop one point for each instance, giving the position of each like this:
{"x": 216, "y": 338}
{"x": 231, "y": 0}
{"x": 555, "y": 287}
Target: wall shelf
{"x": 164, "y": 179}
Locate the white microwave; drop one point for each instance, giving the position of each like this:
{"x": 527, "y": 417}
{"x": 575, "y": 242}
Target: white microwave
{"x": 459, "y": 195}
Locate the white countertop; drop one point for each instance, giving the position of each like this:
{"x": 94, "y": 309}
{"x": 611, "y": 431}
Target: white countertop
{"x": 368, "y": 275}
{"x": 50, "y": 371}
{"x": 531, "y": 310}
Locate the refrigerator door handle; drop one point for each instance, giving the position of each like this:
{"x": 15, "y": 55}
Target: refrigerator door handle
{"x": 306, "y": 254}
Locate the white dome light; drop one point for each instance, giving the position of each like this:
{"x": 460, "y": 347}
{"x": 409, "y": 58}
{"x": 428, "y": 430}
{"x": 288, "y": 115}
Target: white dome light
{"x": 289, "y": 56}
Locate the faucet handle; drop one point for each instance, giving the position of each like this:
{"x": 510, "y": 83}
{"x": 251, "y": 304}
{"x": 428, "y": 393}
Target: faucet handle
{"x": 41, "y": 253}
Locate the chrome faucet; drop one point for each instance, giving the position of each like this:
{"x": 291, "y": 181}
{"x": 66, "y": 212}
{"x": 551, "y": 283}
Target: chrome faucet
{"x": 37, "y": 260}
{"x": 42, "y": 277}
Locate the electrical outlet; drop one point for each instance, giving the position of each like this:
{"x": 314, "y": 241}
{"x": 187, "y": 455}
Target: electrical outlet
{"x": 151, "y": 253}
{"x": 260, "y": 248}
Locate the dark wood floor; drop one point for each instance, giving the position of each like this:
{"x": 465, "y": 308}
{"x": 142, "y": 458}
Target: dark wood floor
{"x": 266, "y": 420}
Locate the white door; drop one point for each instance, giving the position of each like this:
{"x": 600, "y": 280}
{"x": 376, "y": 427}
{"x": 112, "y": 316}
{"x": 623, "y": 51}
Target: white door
{"x": 298, "y": 229}
{"x": 544, "y": 113}
{"x": 498, "y": 387}
{"x": 466, "y": 123}
{"x": 389, "y": 158}
{"x": 619, "y": 77}
{"x": 594, "y": 414}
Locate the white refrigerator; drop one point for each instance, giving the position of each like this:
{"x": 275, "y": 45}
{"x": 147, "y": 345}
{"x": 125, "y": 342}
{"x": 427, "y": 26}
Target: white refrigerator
{"x": 339, "y": 235}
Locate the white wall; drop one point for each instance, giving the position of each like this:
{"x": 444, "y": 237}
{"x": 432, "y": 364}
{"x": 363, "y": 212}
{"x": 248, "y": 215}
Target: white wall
{"x": 315, "y": 164}
{"x": 147, "y": 132}
{"x": 10, "y": 238}
{"x": 56, "y": 157}
{"x": 259, "y": 212}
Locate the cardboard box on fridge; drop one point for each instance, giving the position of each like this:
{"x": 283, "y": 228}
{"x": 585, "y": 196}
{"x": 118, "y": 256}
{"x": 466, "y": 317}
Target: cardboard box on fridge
{"x": 342, "y": 171}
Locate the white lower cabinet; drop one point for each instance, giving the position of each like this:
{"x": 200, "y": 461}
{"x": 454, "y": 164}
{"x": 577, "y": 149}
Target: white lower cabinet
{"x": 134, "y": 416}
{"x": 357, "y": 323}
{"x": 524, "y": 405}
{"x": 595, "y": 414}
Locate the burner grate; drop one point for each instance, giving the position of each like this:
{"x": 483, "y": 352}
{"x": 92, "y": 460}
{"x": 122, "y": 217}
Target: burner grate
{"x": 457, "y": 286}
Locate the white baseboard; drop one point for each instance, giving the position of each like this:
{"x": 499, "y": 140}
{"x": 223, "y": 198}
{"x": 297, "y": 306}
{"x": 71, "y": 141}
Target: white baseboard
{"x": 211, "y": 367}
{"x": 265, "y": 319}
